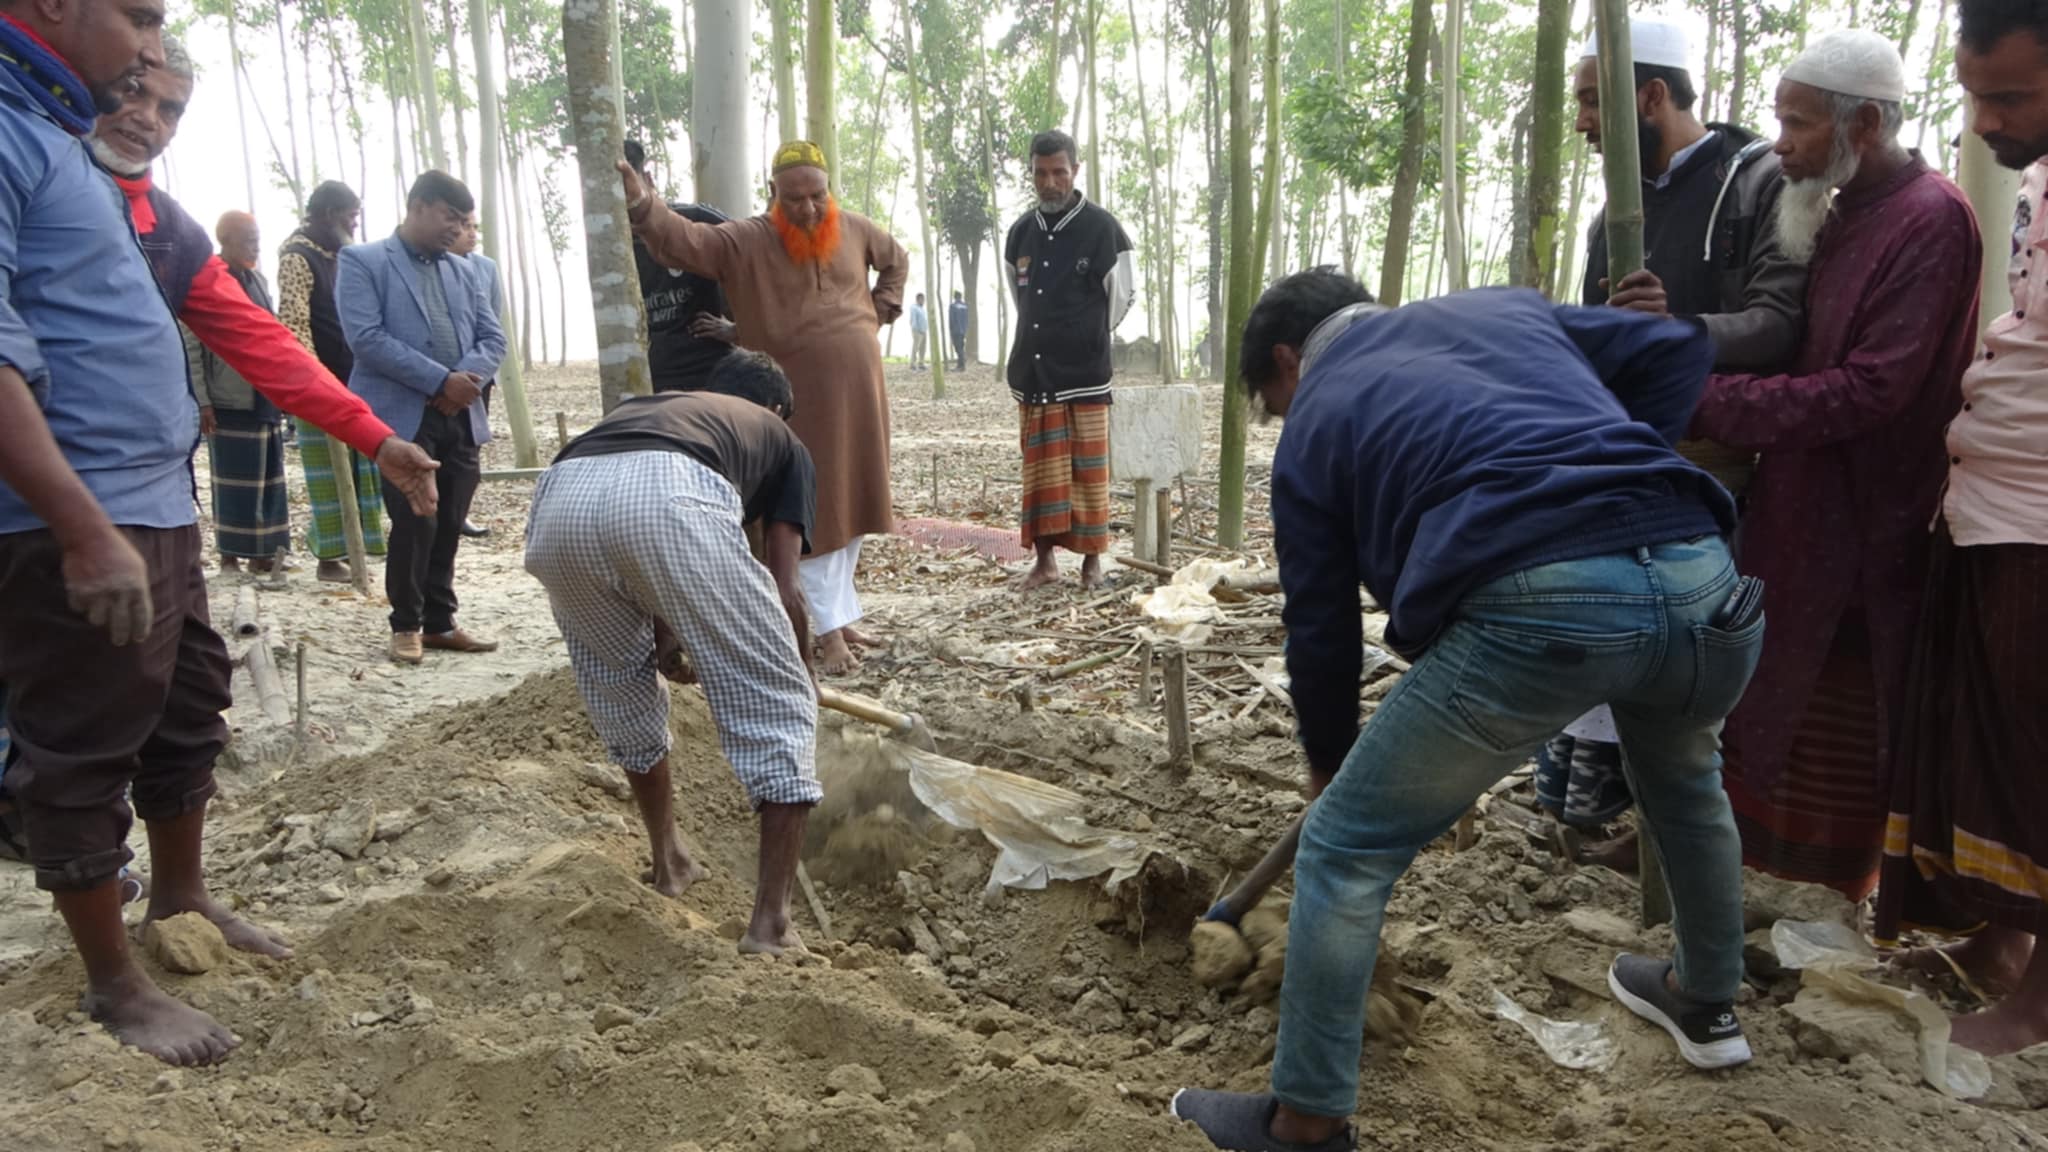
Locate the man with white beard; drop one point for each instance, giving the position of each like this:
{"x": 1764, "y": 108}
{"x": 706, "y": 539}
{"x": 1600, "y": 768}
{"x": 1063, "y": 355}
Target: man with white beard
{"x": 1851, "y": 462}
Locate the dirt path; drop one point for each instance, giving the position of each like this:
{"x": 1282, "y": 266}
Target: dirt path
{"x": 479, "y": 966}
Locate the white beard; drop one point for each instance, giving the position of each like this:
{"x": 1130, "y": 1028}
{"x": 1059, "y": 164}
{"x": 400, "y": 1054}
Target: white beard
{"x": 1804, "y": 205}
{"x": 115, "y": 162}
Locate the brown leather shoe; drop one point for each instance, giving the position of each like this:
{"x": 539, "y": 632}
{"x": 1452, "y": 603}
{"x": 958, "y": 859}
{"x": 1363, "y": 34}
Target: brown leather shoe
{"x": 405, "y": 648}
{"x": 457, "y": 641}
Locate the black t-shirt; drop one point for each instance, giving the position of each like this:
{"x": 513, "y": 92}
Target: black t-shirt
{"x": 675, "y": 359}
{"x": 1058, "y": 266}
{"x": 747, "y": 444}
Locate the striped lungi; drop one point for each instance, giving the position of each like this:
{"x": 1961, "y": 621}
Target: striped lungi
{"x": 1822, "y": 820}
{"x": 324, "y": 537}
{"x": 620, "y": 540}
{"x": 1066, "y": 476}
{"x": 1966, "y": 842}
{"x": 251, "y": 517}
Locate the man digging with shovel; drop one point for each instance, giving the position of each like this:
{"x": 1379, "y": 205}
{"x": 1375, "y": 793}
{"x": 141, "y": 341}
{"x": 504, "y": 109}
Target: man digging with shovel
{"x": 1500, "y": 473}
{"x": 638, "y": 533}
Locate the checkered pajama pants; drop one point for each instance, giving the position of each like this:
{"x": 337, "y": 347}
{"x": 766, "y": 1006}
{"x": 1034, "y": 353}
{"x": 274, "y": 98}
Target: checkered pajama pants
{"x": 619, "y": 540}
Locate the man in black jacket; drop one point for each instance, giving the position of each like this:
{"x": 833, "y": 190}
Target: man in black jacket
{"x": 1710, "y": 204}
{"x": 689, "y": 328}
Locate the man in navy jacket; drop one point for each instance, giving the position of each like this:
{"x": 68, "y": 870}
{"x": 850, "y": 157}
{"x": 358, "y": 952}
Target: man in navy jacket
{"x": 1498, "y": 472}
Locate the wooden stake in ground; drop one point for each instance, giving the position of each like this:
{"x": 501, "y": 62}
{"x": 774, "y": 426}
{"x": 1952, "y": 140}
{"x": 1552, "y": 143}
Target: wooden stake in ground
{"x": 343, "y": 463}
{"x": 1162, "y": 538}
{"x": 1180, "y": 747}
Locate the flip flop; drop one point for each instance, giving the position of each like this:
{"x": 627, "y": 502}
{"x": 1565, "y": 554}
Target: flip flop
{"x": 1241, "y": 1121}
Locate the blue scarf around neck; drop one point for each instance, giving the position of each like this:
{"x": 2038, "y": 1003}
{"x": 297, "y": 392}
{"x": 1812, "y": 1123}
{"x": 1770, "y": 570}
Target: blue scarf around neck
{"x": 47, "y": 77}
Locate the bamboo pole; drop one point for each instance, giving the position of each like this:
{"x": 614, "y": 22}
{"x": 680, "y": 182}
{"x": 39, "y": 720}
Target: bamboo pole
{"x": 1618, "y": 140}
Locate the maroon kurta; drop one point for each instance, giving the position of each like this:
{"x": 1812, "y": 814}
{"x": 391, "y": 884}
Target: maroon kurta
{"x": 1851, "y": 443}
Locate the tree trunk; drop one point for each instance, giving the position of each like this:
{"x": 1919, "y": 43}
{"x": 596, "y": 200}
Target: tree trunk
{"x": 1153, "y": 184}
{"x": 1169, "y": 337}
{"x": 425, "y": 86}
{"x": 1094, "y": 152}
{"x": 1738, "y": 83}
{"x": 1711, "y": 82}
{"x": 398, "y": 174}
{"x": 1452, "y": 201}
{"x": 867, "y": 182}
{"x": 1408, "y": 171}
{"x": 1546, "y": 143}
{"x": 1521, "y": 236}
{"x": 456, "y": 103}
{"x": 617, "y": 51}
{"x": 1620, "y": 155}
{"x": 914, "y": 81}
{"x": 718, "y": 105}
{"x": 1267, "y": 226}
{"x": 1347, "y": 254}
{"x": 995, "y": 207}
{"x": 599, "y": 135}
{"x": 241, "y": 113}
{"x": 1564, "y": 282}
{"x": 1934, "y": 75}
{"x": 515, "y": 172}
{"x": 1052, "y": 73}
{"x": 781, "y": 34}
{"x": 284, "y": 68}
{"x": 491, "y": 214}
{"x": 306, "y": 97}
{"x": 1219, "y": 195}
{"x": 1230, "y": 457}
{"x": 820, "y": 87}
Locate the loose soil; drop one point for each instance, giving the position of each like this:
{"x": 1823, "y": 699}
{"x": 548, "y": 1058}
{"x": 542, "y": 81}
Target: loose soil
{"x": 479, "y": 966}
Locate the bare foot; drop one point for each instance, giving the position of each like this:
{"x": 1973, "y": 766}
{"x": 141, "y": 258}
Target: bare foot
{"x": 1046, "y": 571}
{"x": 769, "y": 940}
{"x": 1091, "y": 572}
{"x": 239, "y": 933}
{"x": 674, "y": 872}
{"x": 1994, "y": 959}
{"x": 2002, "y": 1030}
{"x": 836, "y": 658}
{"x": 230, "y": 564}
{"x": 140, "y": 1015}
{"x": 858, "y": 638}
{"x": 1622, "y": 853}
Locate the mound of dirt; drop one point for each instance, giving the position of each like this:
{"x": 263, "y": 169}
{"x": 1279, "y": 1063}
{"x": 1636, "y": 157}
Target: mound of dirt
{"x": 487, "y": 971}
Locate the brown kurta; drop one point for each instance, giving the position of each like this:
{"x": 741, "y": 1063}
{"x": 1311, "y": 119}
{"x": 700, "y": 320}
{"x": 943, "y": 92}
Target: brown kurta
{"x": 819, "y": 323}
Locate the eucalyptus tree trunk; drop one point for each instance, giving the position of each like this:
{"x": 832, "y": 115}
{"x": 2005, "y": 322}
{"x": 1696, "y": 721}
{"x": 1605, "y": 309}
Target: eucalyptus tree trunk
{"x": 1710, "y": 83}
{"x": 521, "y": 247}
{"x": 1153, "y": 184}
{"x": 599, "y": 134}
{"x": 914, "y": 81}
{"x": 1564, "y": 283}
{"x": 511, "y": 375}
{"x": 241, "y": 113}
{"x": 618, "y": 63}
{"x": 821, "y": 120}
{"x": 780, "y": 44}
{"x": 1452, "y": 202}
{"x": 867, "y": 180}
{"x": 1907, "y": 27}
{"x": 1538, "y": 266}
{"x": 1094, "y": 104}
{"x": 1243, "y": 269}
{"x": 455, "y": 104}
{"x": 306, "y": 98}
{"x": 424, "y": 87}
{"x": 1052, "y": 72}
{"x": 284, "y": 68}
{"x": 1738, "y": 82}
{"x": 1992, "y": 190}
{"x": 1408, "y": 170}
{"x": 1934, "y": 74}
{"x": 1347, "y": 254}
{"x": 718, "y": 105}
{"x": 995, "y": 206}
{"x": 1169, "y": 337}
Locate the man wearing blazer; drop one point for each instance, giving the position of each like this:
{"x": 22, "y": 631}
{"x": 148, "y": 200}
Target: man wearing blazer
{"x": 425, "y": 338}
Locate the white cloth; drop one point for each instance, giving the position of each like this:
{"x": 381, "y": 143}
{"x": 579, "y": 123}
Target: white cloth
{"x": 1595, "y": 725}
{"x": 828, "y": 588}
{"x": 1853, "y": 62}
{"x": 619, "y": 540}
{"x": 1653, "y": 40}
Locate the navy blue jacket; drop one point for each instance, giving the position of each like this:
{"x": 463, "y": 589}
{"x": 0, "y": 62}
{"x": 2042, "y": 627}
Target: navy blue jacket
{"x": 1457, "y": 440}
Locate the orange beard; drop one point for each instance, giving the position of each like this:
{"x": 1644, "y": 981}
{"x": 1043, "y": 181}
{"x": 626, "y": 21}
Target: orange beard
{"x": 817, "y": 246}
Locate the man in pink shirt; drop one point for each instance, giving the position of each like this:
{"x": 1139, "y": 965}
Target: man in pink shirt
{"x": 1965, "y": 845}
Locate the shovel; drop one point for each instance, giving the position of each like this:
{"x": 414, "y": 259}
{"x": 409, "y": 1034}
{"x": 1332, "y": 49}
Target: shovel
{"x": 908, "y": 727}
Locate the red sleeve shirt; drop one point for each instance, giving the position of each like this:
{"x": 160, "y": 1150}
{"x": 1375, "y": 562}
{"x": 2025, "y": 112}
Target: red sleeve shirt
{"x": 270, "y": 358}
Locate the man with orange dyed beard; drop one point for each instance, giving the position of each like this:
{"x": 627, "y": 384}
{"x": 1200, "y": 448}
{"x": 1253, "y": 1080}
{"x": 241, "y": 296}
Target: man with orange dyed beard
{"x": 797, "y": 281}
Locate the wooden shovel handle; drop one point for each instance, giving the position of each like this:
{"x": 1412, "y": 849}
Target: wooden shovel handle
{"x": 862, "y": 708}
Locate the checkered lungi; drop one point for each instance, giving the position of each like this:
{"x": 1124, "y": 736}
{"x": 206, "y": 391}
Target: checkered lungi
{"x": 251, "y": 518}
{"x": 619, "y": 540}
{"x": 324, "y": 536}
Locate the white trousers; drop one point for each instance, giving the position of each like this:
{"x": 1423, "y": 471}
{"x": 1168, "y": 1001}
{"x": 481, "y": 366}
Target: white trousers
{"x": 828, "y": 588}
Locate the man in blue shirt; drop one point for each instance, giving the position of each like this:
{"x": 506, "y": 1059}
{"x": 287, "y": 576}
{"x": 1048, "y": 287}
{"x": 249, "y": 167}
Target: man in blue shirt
{"x": 426, "y": 339}
{"x": 1500, "y": 473}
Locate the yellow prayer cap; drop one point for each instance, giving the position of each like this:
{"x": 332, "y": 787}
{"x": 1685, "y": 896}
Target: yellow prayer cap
{"x": 798, "y": 154}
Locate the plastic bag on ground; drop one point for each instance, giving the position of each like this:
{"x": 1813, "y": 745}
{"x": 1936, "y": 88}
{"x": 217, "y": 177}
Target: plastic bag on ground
{"x": 1956, "y": 1072}
{"x": 1802, "y": 944}
{"x": 1582, "y": 1045}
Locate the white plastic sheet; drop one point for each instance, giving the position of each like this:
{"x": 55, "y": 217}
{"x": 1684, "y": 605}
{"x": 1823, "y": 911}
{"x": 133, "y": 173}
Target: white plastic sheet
{"x": 1802, "y": 944}
{"x": 1582, "y": 1045}
{"x": 1037, "y": 828}
{"x": 1956, "y": 1072}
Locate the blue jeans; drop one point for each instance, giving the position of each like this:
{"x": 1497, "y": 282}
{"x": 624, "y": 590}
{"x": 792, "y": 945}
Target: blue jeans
{"x": 1526, "y": 655}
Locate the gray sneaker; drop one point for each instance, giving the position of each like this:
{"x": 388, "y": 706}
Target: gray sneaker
{"x": 1708, "y": 1035}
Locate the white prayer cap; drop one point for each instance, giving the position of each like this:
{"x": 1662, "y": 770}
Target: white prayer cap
{"x": 1853, "y": 62}
{"x": 1654, "y": 40}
